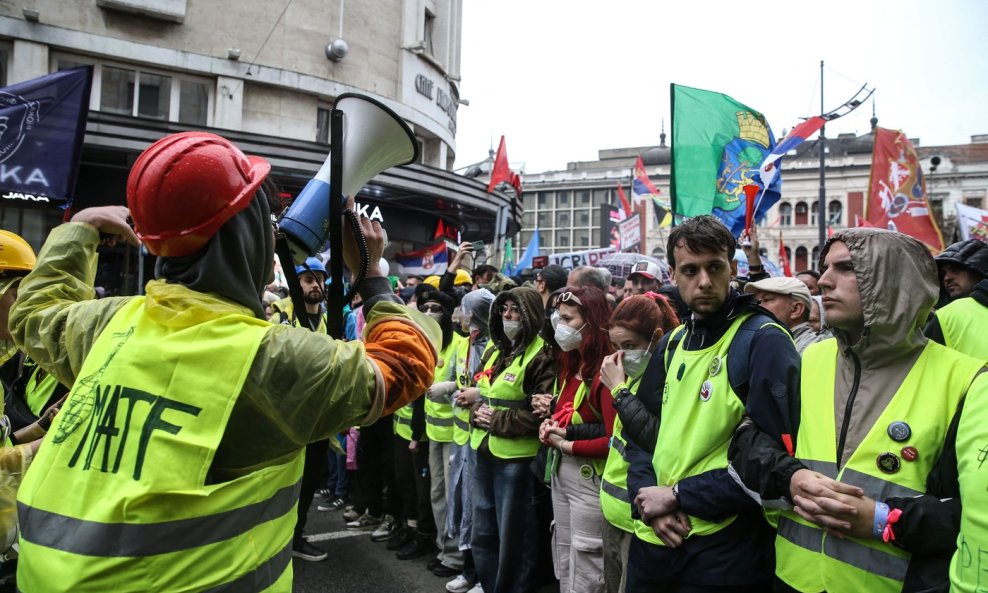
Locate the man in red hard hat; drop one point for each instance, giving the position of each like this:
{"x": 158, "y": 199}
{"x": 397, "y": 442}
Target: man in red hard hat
{"x": 175, "y": 462}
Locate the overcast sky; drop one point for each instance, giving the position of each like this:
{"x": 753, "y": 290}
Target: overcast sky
{"x": 564, "y": 79}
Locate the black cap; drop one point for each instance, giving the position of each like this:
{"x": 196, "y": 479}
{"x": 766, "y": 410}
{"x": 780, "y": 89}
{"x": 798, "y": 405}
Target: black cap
{"x": 554, "y": 277}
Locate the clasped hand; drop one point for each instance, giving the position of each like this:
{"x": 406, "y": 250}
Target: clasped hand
{"x": 841, "y": 509}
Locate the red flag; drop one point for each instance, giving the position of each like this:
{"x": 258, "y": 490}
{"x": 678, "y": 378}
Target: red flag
{"x": 750, "y": 193}
{"x": 897, "y": 191}
{"x": 783, "y": 258}
{"x": 502, "y": 173}
{"x": 624, "y": 202}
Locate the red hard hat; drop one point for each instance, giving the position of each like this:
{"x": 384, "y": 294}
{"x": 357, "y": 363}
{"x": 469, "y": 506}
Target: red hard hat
{"x": 185, "y": 186}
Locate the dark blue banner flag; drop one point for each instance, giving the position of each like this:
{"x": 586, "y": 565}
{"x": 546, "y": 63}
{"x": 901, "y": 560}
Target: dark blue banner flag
{"x": 42, "y": 124}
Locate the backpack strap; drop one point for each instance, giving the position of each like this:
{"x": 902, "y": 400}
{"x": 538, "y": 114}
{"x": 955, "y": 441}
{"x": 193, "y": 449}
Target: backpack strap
{"x": 740, "y": 350}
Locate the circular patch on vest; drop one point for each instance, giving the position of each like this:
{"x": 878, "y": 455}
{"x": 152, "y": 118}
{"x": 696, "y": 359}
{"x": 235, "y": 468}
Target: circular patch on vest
{"x": 910, "y": 453}
{"x": 586, "y": 472}
{"x": 888, "y": 462}
{"x": 715, "y": 365}
{"x": 899, "y": 431}
{"x": 706, "y": 391}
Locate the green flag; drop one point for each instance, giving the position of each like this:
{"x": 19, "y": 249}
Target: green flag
{"x": 717, "y": 147}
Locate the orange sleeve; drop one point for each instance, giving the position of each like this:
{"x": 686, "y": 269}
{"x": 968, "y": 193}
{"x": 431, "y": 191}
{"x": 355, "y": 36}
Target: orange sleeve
{"x": 406, "y": 358}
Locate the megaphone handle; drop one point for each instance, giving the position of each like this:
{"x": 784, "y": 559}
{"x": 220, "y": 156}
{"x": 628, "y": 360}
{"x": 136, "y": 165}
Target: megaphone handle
{"x": 358, "y": 235}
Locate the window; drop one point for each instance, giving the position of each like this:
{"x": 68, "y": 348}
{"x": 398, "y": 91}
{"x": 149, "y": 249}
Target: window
{"x": 800, "y": 259}
{"x": 785, "y": 214}
{"x": 528, "y": 219}
{"x": 815, "y": 257}
{"x": 562, "y": 199}
{"x": 834, "y": 211}
{"x": 544, "y": 220}
{"x": 562, "y": 239}
{"x": 581, "y": 238}
{"x": 528, "y": 201}
{"x": 800, "y": 213}
{"x": 322, "y": 125}
{"x": 4, "y": 56}
{"x": 601, "y": 196}
{"x": 584, "y": 198}
{"x": 562, "y": 219}
{"x": 595, "y": 237}
{"x": 428, "y": 29}
{"x": 974, "y": 202}
{"x": 542, "y": 199}
{"x": 143, "y": 93}
{"x": 583, "y": 217}
{"x": 814, "y": 210}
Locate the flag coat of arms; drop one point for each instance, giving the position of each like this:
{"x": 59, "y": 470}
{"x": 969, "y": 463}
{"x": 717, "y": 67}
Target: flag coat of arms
{"x": 718, "y": 145}
{"x": 424, "y": 262}
{"x": 897, "y": 191}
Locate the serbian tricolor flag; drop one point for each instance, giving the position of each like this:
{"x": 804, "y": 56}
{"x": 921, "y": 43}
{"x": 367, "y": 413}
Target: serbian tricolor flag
{"x": 424, "y": 262}
{"x": 897, "y": 191}
{"x": 641, "y": 185}
{"x": 801, "y": 133}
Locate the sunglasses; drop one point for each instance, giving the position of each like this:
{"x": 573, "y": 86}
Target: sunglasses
{"x": 430, "y": 308}
{"x": 569, "y": 296}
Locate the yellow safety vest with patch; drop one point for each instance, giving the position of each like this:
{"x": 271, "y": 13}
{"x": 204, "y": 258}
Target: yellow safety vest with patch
{"x": 700, "y": 411}
{"x": 806, "y": 558}
{"x": 439, "y": 416}
{"x": 118, "y": 501}
{"x": 578, "y": 397}
{"x": 507, "y": 393}
{"x": 615, "y": 501}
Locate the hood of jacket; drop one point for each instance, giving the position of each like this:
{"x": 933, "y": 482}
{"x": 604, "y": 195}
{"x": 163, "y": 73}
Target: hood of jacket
{"x": 477, "y": 304}
{"x": 897, "y": 280}
{"x": 532, "y": 313}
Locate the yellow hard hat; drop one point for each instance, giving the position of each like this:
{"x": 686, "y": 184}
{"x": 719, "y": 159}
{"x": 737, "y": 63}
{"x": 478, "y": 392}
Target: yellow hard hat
{"x": 463, "y": 277}
{"x": 16, "y": 254}
{"x": 432, "y": 281}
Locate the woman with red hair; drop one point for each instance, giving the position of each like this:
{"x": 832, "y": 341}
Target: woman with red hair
{"x": 636, "y": 326}
{"x": 577, "y": 434}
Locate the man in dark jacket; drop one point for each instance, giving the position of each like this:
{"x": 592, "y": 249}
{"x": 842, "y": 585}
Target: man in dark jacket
{"x": 961, "y": 266}
{"x": 704, "y": 377}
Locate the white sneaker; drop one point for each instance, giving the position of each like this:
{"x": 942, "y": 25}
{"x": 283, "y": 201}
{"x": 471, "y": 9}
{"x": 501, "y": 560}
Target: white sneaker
{"x": 476, "y": 589}
{"x": 459, "y": 585}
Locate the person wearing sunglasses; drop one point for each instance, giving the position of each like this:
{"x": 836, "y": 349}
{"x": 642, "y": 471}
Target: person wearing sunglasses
{"x": 636, "y": 326}
{"x": 576, "y": 458}
{"x": 505, "y": 437}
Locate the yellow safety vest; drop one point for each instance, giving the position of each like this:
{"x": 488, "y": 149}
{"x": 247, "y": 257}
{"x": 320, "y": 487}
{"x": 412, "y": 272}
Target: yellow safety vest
{"x": 37, "y": 392}
{"x": 806, "y": 558}
{"x": 615, "y": 501}
{"x": 439, "y": 416}
{"x": 118, "y": 501}
{"x": 964, "y": 323}
{"x": 700, "y": 411}
{"x": 285, "y": 315}
{"x": 968, "y": 567}
{"x": 578, "y": 397}
{"x": 507, "y": 393}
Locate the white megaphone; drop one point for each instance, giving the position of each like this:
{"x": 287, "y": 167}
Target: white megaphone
{"x": 374, "y": 139}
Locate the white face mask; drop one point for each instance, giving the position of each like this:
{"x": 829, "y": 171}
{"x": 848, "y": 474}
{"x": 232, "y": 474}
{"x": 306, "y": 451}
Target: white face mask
{"x": 567, "y": 337}
{"x": 512, "y": 329}
{"x": 635, "y": 362}
{"x": 438, "y": 317}
{"x": 554, "y": 320}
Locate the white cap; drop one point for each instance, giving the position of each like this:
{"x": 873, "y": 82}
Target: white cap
{"x": 650, "y": 270}
{"x": 781, "y": 285}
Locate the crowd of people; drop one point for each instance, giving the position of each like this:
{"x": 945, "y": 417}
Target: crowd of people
{"x": 822, "y": 432}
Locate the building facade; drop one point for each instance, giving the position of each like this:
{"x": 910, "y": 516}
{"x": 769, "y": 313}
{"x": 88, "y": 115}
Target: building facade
{"x": 265, "y": 75}
{"x": 566, "y": 205}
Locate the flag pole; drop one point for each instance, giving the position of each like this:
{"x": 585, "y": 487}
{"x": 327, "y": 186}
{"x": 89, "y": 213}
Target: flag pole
{"x": 822, "y": 206}
{"x": 672, "y": 153}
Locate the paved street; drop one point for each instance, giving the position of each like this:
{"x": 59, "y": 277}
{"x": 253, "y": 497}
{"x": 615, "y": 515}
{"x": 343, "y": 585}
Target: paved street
{"x": 356, "y": 564}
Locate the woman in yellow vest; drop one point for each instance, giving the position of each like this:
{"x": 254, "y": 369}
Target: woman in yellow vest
{"x": 636, "y": 326}
{"x": 576, "y": 460}
{"x": 505, "y": 436}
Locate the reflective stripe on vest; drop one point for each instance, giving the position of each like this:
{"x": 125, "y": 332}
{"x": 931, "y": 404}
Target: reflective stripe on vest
{"x": 615, "y": 501}
{"x": 835, "y": 564}
{"x": 507, "y": 392}
{"x": 402, "y": 421}
{"x": 133, "y": 444}
{"x": 439, "y": 415}
{"x": 706, "y": 411}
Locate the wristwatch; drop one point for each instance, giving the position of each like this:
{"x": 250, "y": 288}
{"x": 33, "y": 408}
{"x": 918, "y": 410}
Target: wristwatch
{"x": 675, "y": 491}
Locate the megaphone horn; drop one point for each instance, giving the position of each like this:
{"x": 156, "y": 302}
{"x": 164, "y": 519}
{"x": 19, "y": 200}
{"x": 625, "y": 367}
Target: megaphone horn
{"x": 375, "y": 138}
